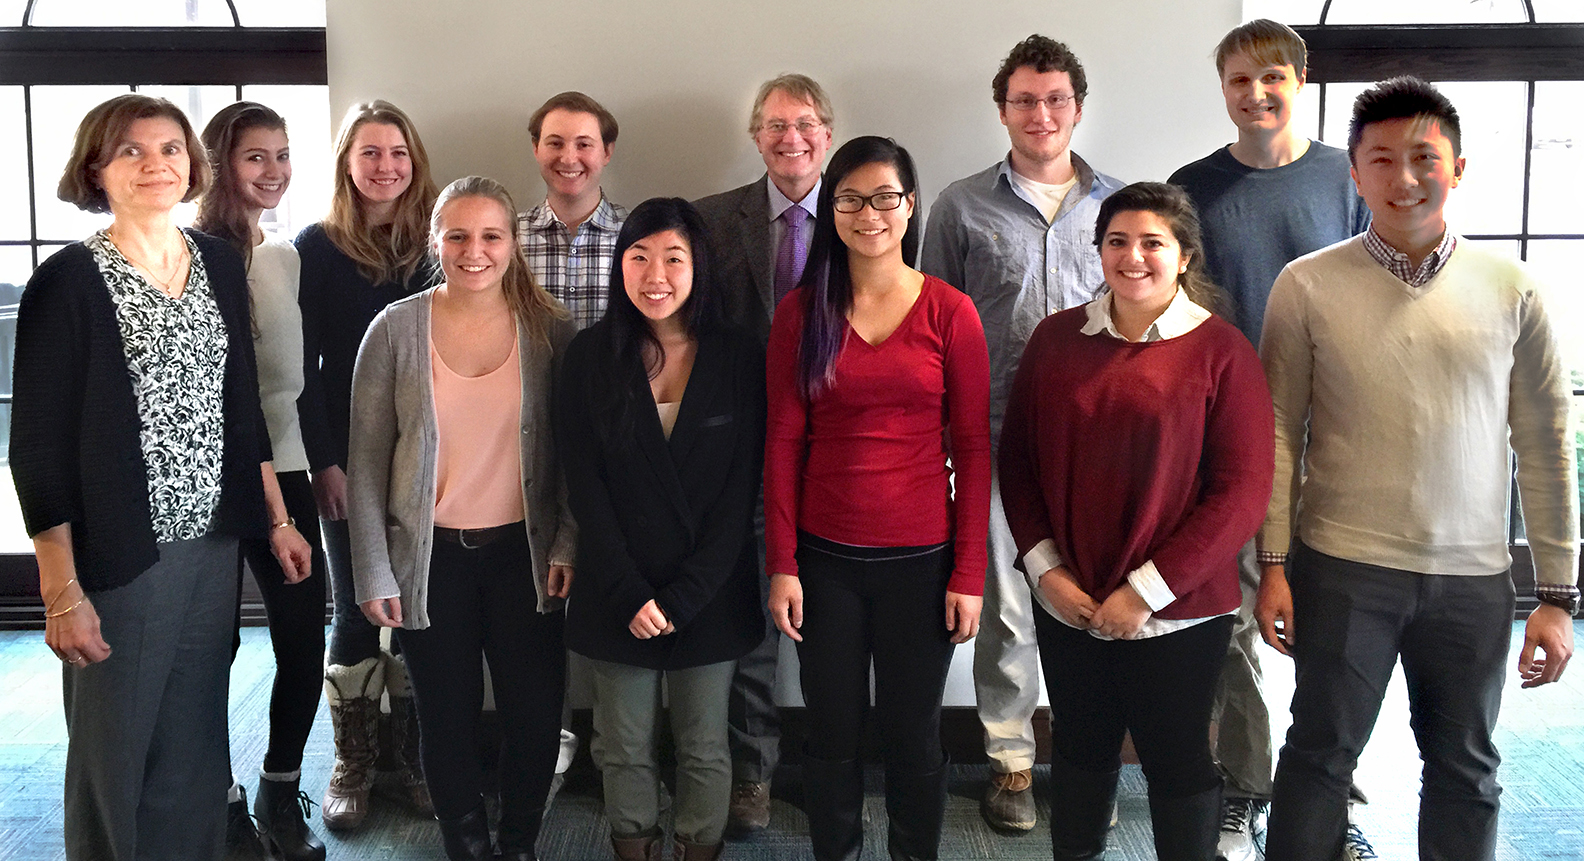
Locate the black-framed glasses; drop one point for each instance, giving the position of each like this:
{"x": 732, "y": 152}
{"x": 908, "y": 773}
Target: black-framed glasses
{"x": 1054, "y": 101}
{"x": 884, "y": 201}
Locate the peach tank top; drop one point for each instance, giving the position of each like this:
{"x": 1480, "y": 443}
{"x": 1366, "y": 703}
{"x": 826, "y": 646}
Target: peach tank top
{"x": 478, "y": 470}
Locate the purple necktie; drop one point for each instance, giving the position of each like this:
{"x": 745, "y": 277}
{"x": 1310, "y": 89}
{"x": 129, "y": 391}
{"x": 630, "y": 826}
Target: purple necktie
{"x": 792, "y": 254}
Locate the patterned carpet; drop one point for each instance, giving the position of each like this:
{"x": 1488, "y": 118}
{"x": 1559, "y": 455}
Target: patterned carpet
{"x": 1541, "y": 737}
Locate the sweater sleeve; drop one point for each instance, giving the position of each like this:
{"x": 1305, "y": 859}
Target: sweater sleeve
{"x": 369, "y": 463}
{"x": 1019, "y": 463}
{"x": 966, "y": 367}
{"x": 312, "y": 288}
{"x": 1287, "y": 354}
{"x": 607, "y": 573}
{"x": 1235, "y": 474}
{"x": 563, "y": 550}
{"x": 1537, "y": 417}
{"x": 725, "y": 526}
{"x": 48, "y": 381}
{"x": 786, "y": 439}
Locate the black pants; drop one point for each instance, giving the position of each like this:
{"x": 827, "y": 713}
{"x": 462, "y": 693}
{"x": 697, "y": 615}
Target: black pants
{"x": 297, "y": 629}
{"x": 482, "y": 605}
{"x": 1160, "y": 688}
{"x": 894, "y": 613}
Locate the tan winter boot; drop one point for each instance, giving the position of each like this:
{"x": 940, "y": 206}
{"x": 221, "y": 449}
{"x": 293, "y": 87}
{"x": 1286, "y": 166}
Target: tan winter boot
{"x": 404, "y": 735}
{"x": 353, "y": 693}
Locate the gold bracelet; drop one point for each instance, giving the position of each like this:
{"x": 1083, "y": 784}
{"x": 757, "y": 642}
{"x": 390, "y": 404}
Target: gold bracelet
{"x": 49, "y": 615}
{"x": 289, "y": 521}
{"x": 51, "y": 605}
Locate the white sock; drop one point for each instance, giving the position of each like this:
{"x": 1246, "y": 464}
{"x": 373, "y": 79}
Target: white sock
{"x": 234, "y": 794}
{"x": 280, "y": 776}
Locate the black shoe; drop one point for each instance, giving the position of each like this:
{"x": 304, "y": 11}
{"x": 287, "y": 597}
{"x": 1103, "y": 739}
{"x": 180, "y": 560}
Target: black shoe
{"x": 282, "y": 810}
{"x": 242, "y": 839}
{"x": 833, "y": 800}
{"x": 1186, "y": 829}
{"x": 916, "y": 809}
{"x": 467, "y": 838}
{"x": 517, "y": 832}
{"x": 1082, "y": 805}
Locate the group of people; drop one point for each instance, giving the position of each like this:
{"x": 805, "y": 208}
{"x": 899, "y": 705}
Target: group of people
{"x": 660, "y": 440}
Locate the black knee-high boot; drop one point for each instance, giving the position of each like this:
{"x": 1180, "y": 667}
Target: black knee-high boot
{"x": 833, "y": 800}
{"x": 916, "y": 808}
{"x": 1081, "y": 803}
{"x": 1187, "y": 828}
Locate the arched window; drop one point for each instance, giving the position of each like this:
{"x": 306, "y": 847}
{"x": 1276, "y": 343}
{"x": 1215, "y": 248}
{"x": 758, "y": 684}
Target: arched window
{"x": 58, "y": 58}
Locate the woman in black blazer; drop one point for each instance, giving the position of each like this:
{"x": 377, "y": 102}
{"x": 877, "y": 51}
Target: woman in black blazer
{"x": 661, "y": 427}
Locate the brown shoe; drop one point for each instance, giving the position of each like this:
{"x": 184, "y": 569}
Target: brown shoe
{"x": 645, "y": 848}
{"x": 404, "y": 737}
{"x": 749, "y": 809}
{"x": 1009, "y": 801}
{"x": 353, "y": 694}
{"x": 682, "y": 850}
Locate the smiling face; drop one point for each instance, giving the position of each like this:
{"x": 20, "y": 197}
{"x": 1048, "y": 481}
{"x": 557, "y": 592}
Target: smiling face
{"x": 1404, "y": 169}
{"x": 380, "y": 166}
{"x": 571, "y": 154}
{"x": 792, "y": 158}
{"x": 869, "y": 232}
{"x": 1040, "y": 136}
{"x": 1259, "y": 98}
{"x": 261, "y": 166}
{"x": 148, "y": 168}
{"x": 1142, "y": 260}
{"x": 475, "y": 243}
{"x": 657, "y": 272}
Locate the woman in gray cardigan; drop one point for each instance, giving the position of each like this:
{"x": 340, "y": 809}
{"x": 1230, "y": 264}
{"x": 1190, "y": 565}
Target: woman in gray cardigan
{"x": 462, "y": 545}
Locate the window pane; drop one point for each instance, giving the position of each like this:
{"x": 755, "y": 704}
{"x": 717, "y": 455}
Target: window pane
{"x": 14, "y": 222}
{"x": 16, "y": 263}
{"x": 307, "y": 113}
{"x": 56, "y": 113}
{"x": 1555, "y": 263}
{"x": 1426, "y": 12}
{"x": 119, "y": 13}
{"x": 1505, "y": 247}
{"x": 281, "y": 13}
{"x": 1490, "y": 198}
{"x": 1338, "y": 109}
{"x": 11, "y": 12}
{"x": 1557, "y": 172}
{"x": 1558, "y": 11}
{"x": 1578, "y": 439}
{"x": 1291, "y": 12}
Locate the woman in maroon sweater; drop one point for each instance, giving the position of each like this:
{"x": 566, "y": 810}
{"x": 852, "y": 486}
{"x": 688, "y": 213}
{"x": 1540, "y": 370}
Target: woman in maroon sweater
{"x": 879, "y": 387}
{"x": 1136, "y": 460}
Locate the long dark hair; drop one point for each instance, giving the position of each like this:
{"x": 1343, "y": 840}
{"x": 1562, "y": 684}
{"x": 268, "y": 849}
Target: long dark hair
{"x": 827, "y": 280}
{"x": 629, "y": 337}
{"x": 1175, "y": 208}
{"x": 221, "y": 211}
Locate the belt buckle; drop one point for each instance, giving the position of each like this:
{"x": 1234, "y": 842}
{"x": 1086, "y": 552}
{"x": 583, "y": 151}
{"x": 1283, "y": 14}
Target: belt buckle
{"x": 462, "y": 539}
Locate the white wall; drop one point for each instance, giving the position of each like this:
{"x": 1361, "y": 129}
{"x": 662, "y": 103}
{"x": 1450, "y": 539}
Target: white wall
{"x": 680, "y": 78}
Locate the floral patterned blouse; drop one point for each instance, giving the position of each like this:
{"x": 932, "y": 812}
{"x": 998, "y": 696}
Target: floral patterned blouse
{"x": 176, "y": 355}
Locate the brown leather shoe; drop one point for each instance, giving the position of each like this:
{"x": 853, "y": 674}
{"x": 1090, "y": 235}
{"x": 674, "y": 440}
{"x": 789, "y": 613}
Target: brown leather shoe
{"x": 1009, "y": 801}
{"x": 645, "y": 848}
{"x": 353, "y": 694}
{"x": 749, "y": 809}
{"x": 682, "y": 850}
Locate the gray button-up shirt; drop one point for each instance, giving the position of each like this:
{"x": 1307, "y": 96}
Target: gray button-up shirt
{"x": 989, "y": 241}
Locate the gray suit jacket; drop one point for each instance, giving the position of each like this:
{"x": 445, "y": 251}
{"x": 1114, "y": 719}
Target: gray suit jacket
{"x": 395, "y": 444}
{"x": 744, "y": 263}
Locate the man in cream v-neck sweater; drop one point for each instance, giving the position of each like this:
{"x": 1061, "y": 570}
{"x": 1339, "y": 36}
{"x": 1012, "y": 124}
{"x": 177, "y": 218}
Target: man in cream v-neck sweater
{"x": 1402, "y": 364}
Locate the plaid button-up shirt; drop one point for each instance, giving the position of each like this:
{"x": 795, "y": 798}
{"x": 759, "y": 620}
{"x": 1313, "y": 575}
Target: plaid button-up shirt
{"x": 575, "y": 269}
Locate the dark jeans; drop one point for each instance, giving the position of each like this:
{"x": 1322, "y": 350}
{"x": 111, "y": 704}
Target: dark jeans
{"x": 1159, "y": 688}
{"x": 482, "y": 605}
{"x": 352, "y": 637}
{"x": 893, "y": 612}
{"x": 297, "y": 630}
{"x": 1354, "y": 621}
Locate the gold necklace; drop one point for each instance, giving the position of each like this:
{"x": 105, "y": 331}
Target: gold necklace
{"x": 163, "y": 284}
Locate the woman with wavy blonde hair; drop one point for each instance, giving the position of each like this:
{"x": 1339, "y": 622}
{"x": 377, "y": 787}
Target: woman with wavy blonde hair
{"x": 370, "y": 251}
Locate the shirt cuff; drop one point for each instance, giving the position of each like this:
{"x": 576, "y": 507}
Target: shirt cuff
{"x": 1043, "y": 557}
{"x": 1271, "y": 557}
{"x": 1147, "y": 581}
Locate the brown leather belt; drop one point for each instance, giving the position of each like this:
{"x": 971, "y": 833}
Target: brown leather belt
{"x": 473, "y": 539}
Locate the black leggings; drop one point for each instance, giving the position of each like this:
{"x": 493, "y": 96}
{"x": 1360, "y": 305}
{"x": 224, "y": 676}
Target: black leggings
{"x": 1160, "y": 688}
{"x": 893, "y": 612}
{"x": 297, "y": 629}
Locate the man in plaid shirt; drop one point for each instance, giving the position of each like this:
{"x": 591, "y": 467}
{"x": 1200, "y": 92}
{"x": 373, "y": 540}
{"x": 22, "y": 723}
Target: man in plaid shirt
{"x": 570, "y": 238}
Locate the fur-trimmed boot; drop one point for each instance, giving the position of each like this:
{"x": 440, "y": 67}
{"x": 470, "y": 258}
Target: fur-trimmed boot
{"x": 353, "y": 693}
{"x": 404, "y": 735}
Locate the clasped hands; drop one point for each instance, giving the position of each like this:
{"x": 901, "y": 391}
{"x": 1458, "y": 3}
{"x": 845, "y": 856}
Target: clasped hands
{"x": 1120, "y": 617}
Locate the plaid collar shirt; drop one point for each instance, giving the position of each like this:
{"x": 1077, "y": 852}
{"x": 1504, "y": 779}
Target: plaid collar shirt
{"x": 575, "y": 269}
{"x": 1397, "y": 263}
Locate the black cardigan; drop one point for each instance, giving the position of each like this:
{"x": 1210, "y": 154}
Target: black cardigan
{"x": 665, "y": 520}
{"x": 76, "y": 456}
{"x": 338, "y": 304}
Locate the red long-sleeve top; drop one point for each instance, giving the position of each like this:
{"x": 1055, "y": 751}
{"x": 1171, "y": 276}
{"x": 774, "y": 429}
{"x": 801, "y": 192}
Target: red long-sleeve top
{"x": 866, "y": 463}
{"x": 1122, "y": 453}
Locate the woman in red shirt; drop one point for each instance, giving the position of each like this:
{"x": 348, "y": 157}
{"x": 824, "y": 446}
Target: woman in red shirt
{"x": 1136, "y": 460}
{"x": 879, "y": 386}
